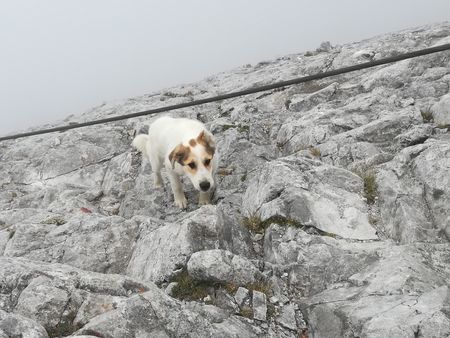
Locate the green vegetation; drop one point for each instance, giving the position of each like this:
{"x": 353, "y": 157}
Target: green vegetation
{"x": 246, "y": 311}
{"x": 260, "y": 286}
{"x": 312, "y": 87}
{"x": 287, "y": 104}
{"x": 255, "y": 224}
{"x": 188, "y": 288}
{"x": 11, "y": 232}
{"x": 373, "y": 220}
{"x": 231, "y": 287}
{"x": 315, "y": 152}
{"x": 370, "y": 184}
{"x": 427, "y": 115}
{"x": 57, "y": 220}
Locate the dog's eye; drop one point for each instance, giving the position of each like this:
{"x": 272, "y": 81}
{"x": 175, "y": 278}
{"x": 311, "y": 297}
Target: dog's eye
{"x": 191, "y": 165}
{"x": 207, "y": 161}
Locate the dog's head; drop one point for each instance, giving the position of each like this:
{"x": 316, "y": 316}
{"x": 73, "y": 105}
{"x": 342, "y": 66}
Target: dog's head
{"x": 196, "y": 160}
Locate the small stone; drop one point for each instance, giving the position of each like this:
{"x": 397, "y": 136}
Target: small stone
{"x": 273, "y": 299}
{"x": 287, "y": 317}
{"x": 207, "y": 299}
{"x": 170, "y": 287}
{"x": 258, "y": 237}
{"x": 259, "y": 306}
{"x": 241, "y": 295}
{"x": 283, "y": 299}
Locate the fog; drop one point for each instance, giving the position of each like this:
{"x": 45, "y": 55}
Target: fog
{"x": 63, "y": 57}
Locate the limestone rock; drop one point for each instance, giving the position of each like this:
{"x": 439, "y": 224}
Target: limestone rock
{"x": 311, "y": 194}
{"x": 222, "y": 266}
{"x": 259, "y": 306}
{"x": 441, "y": 111}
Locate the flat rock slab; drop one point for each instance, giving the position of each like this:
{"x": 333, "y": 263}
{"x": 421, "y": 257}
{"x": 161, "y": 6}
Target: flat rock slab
{"x": 222, "y": 266}
{"x": 312, "y": 194}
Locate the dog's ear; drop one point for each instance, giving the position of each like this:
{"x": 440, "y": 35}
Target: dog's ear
{"x": 206, "y": 140}
{"x": 179, "y": 154}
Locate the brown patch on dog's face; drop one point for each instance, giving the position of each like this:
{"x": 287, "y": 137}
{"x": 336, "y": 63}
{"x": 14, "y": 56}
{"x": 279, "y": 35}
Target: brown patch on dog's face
{"x": 179, "y": 154}
{"x": 191, "y": 165}
{"x": 206, "y": 141}
{"x": 192, "y": 142}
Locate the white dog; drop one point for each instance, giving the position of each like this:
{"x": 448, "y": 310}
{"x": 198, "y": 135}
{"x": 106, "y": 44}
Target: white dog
{"x": 183, "y": 146}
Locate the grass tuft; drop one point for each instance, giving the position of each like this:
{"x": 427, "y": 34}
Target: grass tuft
{"x": 260, "y": 286}
{"x": 188, "y": 288}
{"x": 427, "y": 115}
{"x": 255, "y": 224}
{"x": 370, "y": 185}
{"x": 246, "y": 311}
{"x": 57, "y": 220}
{"x": 315, "y": 152}
{"x": 231, "y": 287}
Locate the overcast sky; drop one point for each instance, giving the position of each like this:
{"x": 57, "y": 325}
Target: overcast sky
{"x": 59, "y": 57}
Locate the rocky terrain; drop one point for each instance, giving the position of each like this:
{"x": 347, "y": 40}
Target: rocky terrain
{"x": 331, "y": 219}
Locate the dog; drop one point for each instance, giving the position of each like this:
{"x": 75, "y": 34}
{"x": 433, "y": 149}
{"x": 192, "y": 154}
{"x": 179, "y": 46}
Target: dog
{"x": 182, "y": 146}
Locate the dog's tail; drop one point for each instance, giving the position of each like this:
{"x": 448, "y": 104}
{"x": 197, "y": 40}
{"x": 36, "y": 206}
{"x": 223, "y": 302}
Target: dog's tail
{"x": 140, "y": 143}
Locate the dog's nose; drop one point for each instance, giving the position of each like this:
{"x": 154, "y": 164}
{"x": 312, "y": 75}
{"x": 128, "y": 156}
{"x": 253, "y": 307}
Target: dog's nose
{"x": 205, "y": 185}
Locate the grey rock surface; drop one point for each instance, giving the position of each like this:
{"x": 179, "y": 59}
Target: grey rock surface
{"x": 259, "y": 306}
{"x": 222, "y": 266}
{"x": 13, "y": 325}
{"x": 331, "y": 217}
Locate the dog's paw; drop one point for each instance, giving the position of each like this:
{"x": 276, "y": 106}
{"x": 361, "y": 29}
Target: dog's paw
{"x": 157, "y": 181}
{"x": 204, "y": 200}
{"x": 181, "y": 202}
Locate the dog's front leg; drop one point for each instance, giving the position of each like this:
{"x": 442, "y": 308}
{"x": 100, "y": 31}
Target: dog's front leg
{"x": 177, "y": 189}
{"x": 204, "y": 198}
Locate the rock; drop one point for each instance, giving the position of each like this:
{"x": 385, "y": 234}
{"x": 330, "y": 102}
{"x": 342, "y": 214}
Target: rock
{"x": 310, "y": 194}
{"x": 242, "y": 294}
{"x": 88, "y": 241}
{"x": 441, "y": 111}
{"x": 413, "y": 193}
{"x": 287, "y": 317}
{"x": 259, "y": 306}
{"x": 172, "y": 244}
{"x": 157, "y": 315}
{"x": 302, "y": 102}
{"x": 14, "y": 325}
{"x": 48, "y": 305}
{"x": 222, "y": 266}
{"x": 169, "y": 288}
{"x": 388, "y": 298}
{"x": 232, "y": 235}
{"x": 417, "y": 134}
{"x": 95, "y": 305}
{"x": 310, "y": 264}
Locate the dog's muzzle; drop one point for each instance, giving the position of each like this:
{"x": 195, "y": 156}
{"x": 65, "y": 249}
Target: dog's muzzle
{"x": 205, "y": 185}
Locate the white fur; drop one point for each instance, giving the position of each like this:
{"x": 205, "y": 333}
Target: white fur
{"x": 163, "y": 136}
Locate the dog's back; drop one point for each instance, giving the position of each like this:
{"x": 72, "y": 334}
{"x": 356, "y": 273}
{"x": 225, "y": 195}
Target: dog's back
{"x": 168, "y": 132}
